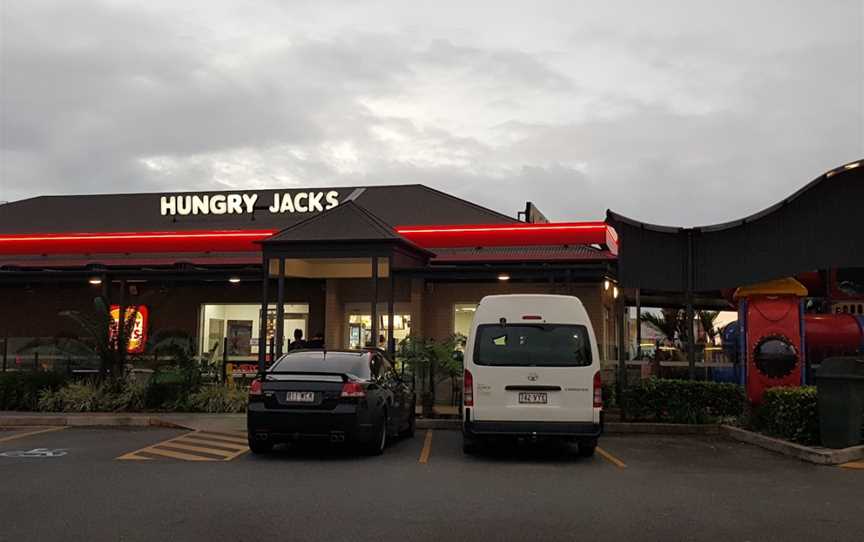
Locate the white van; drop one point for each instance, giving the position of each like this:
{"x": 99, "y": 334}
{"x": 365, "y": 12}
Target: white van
{"x": 532, "y": 370}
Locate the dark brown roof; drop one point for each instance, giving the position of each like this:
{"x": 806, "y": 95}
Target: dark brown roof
{"x": 545, "y": 253}
{"x": 400, "y": 205}
{"x": 346, "y": 222}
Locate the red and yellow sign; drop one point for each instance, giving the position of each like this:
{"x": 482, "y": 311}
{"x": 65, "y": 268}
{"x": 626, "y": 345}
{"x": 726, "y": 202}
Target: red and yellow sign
{"x": 138, "y": 335}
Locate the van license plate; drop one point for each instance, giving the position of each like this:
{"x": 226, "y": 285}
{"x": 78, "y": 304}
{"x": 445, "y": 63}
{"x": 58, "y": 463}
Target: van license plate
{"x": 533, "y": 398}
{"x": 300, "y": 397}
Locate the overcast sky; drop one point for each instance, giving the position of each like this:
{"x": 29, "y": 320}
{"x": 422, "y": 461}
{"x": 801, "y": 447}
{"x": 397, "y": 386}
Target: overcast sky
{"x": 676, "y": 112}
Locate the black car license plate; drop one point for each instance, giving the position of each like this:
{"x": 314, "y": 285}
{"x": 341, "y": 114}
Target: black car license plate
{"x": 300, "y": 397}
{"x": 533, "y": 398}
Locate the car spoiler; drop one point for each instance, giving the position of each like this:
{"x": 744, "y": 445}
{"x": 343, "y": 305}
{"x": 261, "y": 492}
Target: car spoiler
{"x": 345, "y": 376}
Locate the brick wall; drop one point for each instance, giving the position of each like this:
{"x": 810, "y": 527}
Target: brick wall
{"x": 34, "y": 312}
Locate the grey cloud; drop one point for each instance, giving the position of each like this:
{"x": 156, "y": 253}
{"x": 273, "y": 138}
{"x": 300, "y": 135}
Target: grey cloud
{"x": 732, "y": 119}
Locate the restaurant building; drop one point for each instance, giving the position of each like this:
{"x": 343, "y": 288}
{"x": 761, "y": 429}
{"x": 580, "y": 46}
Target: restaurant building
{"x": 350, "y": 264}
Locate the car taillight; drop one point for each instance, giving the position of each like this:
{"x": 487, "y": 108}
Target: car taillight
{"x": 255, "y": 387}
{"x": 353, "y": 389}
{"x": 468, "y": 392}
{"x": 598, "y": 390}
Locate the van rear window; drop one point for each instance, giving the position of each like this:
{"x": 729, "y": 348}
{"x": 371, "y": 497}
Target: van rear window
{"x": 539, "y": 345}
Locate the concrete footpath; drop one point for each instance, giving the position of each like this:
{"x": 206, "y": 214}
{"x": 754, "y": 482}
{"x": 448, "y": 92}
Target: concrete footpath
{"x": 237, "y": 422}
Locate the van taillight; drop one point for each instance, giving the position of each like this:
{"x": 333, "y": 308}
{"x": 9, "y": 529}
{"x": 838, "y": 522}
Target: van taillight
{"x": 353, "y": 389}
{"x": 598, "y": 390}
{"x": 468, "y": 393}
{"x": 256, "y": 387}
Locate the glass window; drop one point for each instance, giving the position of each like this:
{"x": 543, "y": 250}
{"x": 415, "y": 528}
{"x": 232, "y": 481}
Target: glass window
{"x": 360, "y": 329}
{"x": 541, "y": 345}
{"x": 463, "y": 317}
{"x": 355, "y": 363}
{"x": 240, "y": 324}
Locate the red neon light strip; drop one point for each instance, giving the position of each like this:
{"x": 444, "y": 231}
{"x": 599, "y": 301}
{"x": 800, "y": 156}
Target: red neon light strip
{"x": 533, "y": 227}
{"x": 133, "y": 242}
{"x": 465, "y": 235}
{"x": 490, "y": 235}
{"x": 133, "y": 235}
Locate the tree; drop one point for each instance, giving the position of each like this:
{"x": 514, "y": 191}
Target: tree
{"x": 708, "y": 320}
{"x": 670, "y": 322}
{"x": 432, "y": 362}
{"x": 110, "y": 348}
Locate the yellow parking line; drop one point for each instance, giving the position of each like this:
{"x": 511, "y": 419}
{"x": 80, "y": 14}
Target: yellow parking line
{"x": 853, "y": 465}
{"x": 194, "y": 446}
{"x": 214, "y": 451}
{"x": 31, "y": 433}
{"x": 177, "y": 455}
{"x": 427, "y": 448}
{"x": 226, "y": 442}
{"x": 611, "y": 458}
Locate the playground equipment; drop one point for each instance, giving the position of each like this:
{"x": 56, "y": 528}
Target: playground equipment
{"x": 775, "y": 339}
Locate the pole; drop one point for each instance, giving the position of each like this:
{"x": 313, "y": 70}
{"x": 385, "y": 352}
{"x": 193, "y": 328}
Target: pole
{"x": 374, "y": 301}
{"x": 36, "y": 360}
{"x": 280, "y": 308}
{"x": 262, "y": 324}
{"x": 391, "y": 303}
{"x": 622, "y": 357}
{"x": 638, "y": 324}
{"x": 689, "y": 313}
{"x": 224, "y": 360}
{"x": 5, "y": 351}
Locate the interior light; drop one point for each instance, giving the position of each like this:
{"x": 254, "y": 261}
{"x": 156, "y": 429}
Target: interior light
{"x": 606, "y": 284}
{"x": 234, "y": 280}
{"x": 615, "y": 292}
{"x": 95, "y": 281}
{"x": 503, "y": 277}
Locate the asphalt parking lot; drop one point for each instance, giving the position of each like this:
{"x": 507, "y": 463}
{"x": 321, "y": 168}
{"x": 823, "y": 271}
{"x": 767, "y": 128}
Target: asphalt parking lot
{"x": 75, "y": 487}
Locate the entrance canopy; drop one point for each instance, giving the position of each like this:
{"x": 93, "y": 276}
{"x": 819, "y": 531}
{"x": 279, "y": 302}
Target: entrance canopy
{"x": 818, "y": 227}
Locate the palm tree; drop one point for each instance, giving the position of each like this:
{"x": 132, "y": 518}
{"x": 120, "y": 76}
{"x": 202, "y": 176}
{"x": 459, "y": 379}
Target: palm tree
{"x": 110, "y": 348}
{"x": 708, "y": 320}
{"x": 670, "y": 322}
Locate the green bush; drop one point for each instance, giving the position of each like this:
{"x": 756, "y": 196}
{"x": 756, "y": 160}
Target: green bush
{"x": 94, "y": 396}
{"x": 610, "y": 399}
{"x": 682, "y": 401}
{"x": 790, "y": 414}
{"x": 218, "y": 399}
{"x": 20, "y": 390}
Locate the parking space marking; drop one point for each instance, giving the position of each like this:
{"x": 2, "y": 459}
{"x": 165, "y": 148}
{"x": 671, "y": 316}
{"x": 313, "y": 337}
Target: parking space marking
{"x": 611, "y": 458}
{"x": 194, "y": 446}
{"x": 30, "y": 433}
{"x": 427, "y": 448}
{"x": 853, "y": 465}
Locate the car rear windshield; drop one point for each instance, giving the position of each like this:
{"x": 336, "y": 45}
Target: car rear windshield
{"x": 540, "y": 345}
{"x": 325, "y": 362}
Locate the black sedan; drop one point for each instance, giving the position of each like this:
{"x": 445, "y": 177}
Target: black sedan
{"x": 346, "y": 396}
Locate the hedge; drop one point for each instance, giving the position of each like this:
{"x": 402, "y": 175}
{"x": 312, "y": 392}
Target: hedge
{"x": 682, "y": 401}
{"x": 20, "y": 390}
{"x": 790, "y": 414}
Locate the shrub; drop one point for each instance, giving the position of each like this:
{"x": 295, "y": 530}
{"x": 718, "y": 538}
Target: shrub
{"x": 94, "y": 396}
{"x": 610, "y": 399}
{"x": 20, "y": 391}
{"x": 218, "y": 399}
{"x": 682, "y": 401}
{"x": 789, "y": 413}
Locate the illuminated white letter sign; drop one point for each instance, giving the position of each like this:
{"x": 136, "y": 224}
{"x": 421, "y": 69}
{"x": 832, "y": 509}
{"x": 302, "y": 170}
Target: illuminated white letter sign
{"x": 236, "y": 203}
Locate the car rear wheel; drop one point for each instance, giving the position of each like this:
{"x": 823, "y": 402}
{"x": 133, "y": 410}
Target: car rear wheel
{"x": 377, "y": 444}
{"x": 260, "y": 446}
{"x": 412, "y": 426}
{"x": 470, "y": 445}
{"x": 587, "y": 447}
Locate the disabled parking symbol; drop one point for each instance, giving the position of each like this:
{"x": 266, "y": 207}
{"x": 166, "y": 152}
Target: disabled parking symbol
{"x": 35, "y": 452}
